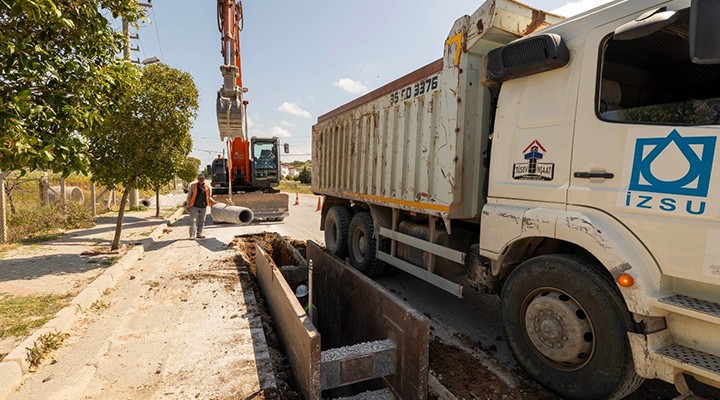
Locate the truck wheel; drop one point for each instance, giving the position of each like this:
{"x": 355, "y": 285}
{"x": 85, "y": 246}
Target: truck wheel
{"x": 337, "y": 221}
{"x": 361, "y": 246}
{"x": 567, "y": 327}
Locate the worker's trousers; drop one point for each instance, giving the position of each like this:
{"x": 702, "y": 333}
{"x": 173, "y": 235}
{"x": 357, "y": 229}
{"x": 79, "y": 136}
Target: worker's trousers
{"x": 197, "y": 220}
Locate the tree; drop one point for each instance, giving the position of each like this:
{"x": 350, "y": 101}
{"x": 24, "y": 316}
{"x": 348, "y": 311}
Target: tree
{"x": 144, "y": 143}
{"x": 58, "y": 70}
{"x": 304, "y": 176}
{"x": 189, "y": 169}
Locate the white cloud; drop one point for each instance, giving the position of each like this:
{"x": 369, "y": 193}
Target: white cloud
{"x": 351, "y": 86}
{"x": 312, "y": 99}
{"x": 286, "y": 124}
{"x": 279, "y": 132}
{"x": 294, "y": 109}
{"x": 274, "y": 131}
{"x": 576, "y": 7}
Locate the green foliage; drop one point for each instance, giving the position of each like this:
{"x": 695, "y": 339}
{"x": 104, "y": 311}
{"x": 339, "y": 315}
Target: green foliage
{"x": 304, "y": 176}
{"x": 189, "y": 169}
{"x": 58, "y": 72}
{"x": 45, "y": 343}
{"x": 146, "y": 140}
{"x": 293, "y": 186}
{"x": 301, "y": 164}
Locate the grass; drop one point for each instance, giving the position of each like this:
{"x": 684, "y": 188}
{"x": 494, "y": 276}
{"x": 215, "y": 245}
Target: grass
{"x": 19, "y": 315}
{"x": 289, "y": 186}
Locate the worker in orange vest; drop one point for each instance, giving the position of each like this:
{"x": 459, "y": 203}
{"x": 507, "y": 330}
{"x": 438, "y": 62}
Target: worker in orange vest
{"x": 198, "y": 199}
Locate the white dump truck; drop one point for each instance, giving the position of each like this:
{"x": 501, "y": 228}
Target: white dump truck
{"x": 569, "y": 165}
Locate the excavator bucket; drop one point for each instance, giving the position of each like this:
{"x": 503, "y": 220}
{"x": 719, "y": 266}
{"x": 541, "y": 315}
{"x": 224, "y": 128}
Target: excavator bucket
{"x": 230, "y": 117}
{"x": 265, "y": 206}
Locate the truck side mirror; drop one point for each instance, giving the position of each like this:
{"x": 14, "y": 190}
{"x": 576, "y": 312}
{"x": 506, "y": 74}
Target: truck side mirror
{"x": 286, "y": 147}
{"x": 705, "y": 32}
{"x": 646, "y": 24}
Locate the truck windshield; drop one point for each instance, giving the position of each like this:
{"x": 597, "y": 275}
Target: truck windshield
{"x": 264, "y": 156}
{"x": 651, "y": 80}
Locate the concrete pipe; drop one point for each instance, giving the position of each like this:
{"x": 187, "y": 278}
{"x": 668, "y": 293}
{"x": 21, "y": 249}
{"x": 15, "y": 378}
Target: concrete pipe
{"x": 145, "y": 202}
{"x": 72, "y": 193}
{"x": 233, "y": 214}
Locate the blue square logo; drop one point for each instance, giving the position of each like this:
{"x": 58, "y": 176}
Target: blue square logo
{"x": 699, "y": 152}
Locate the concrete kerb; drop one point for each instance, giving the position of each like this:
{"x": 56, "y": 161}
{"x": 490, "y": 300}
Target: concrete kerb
{"x": 15, "y": 364}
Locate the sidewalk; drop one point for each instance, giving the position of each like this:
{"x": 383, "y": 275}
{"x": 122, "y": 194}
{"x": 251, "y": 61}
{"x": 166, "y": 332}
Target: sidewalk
{"x": 179, "y": 324}
{"x": 59, "y": 266}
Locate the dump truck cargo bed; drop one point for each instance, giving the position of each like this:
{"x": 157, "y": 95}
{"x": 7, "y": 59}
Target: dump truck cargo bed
{"x": 417, "y": 142}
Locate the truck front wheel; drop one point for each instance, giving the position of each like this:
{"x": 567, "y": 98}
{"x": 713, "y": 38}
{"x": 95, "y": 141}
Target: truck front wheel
{"x": 567, "y": 327}
{"x": 337, "y": 222}
{"x": 361, "y": 245}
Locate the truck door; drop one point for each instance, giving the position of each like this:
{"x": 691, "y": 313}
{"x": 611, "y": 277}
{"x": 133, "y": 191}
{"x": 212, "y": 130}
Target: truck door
{"x": 646, "y": 148}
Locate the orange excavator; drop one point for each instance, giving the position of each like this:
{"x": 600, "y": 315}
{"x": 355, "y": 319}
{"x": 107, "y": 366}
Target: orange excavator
{"x": 248, "y": 176}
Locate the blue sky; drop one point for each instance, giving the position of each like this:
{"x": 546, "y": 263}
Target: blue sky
{"x": 301, "y": 59}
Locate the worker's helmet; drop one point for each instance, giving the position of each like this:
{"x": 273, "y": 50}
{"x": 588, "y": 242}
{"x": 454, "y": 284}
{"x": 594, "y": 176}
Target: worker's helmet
{"x": 301, "y": 291}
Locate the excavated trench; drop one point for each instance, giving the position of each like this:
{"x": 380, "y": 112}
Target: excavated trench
{"x": 458, "y": 369}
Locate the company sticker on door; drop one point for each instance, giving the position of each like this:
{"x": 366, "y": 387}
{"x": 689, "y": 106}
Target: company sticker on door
{"x": 671, "y": 174}
{"x": 533, "y": 168}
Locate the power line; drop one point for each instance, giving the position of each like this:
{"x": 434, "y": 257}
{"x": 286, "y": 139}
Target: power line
{"x": 157, "y": 32}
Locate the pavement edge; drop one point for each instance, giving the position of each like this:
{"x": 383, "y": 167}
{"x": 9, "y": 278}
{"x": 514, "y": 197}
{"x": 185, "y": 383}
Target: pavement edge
{"x": 15, "y": 364}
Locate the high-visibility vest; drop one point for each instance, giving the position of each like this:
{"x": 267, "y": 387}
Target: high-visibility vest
{"x": 194, "y": 194}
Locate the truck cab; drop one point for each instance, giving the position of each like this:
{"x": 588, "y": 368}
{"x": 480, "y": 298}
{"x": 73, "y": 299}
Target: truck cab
{"x": 612, "y": 158}
{"x": 567, "y": 165}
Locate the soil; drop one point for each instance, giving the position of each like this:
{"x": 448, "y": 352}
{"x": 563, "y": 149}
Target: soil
{"x": 245, "y": 263}
{"x": 466, "y": 377}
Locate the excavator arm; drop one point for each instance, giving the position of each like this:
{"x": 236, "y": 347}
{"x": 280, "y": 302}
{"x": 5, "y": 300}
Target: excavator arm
{"x": 230, "y": 103}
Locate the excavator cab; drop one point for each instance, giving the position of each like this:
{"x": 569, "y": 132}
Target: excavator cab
{"x": 265, "y": 162}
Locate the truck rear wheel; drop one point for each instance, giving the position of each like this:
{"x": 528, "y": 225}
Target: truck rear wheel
{"x": 567, "y": 327}
{"x": 337, "y": 222}
{"x": 361, "y": 246}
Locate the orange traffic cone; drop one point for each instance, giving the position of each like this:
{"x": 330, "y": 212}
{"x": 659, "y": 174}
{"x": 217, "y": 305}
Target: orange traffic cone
{"x": 319, "y": 205}
{"x": 297, "y": 199}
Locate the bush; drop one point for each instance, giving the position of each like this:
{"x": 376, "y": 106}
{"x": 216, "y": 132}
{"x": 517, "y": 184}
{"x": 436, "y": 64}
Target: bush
{"x": 38, "y": 222}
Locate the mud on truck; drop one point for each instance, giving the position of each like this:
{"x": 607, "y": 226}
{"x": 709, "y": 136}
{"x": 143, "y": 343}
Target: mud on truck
{"x": 568, "y": 165}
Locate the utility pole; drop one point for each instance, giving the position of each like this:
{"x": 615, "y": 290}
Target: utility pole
{"x": 134, "y": 193}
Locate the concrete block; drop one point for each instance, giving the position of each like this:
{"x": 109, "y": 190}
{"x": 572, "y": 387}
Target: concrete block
{"x": 64, "y": 319}
{"x": 10, "y": 377}
{"x": 116, "y": 271}
{"x": 103, "y": 282}
{"x": 360, "y": 362}
{"x": 86, "y": 298}
{"x": 131, "y": 257}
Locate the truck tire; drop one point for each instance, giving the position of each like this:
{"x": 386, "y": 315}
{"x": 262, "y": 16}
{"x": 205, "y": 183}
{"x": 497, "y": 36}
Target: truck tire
{"x": 337, "y": 222}
{"x": 361, "y": 245}
{"x": 567, "y": 328}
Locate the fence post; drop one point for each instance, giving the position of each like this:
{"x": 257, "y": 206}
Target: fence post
{"x": 92, "y": 199}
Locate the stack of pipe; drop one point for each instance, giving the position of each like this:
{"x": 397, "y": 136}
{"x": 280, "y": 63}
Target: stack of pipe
{"x": 232, "y": 214}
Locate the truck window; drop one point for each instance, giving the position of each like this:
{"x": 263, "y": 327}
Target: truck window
{"x": 651, "y": 80}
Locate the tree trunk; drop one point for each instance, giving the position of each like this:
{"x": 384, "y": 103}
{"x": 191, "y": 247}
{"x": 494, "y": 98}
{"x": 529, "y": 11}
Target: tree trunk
{"x": 118, "y": 224}
{"x": 157, "y": 202}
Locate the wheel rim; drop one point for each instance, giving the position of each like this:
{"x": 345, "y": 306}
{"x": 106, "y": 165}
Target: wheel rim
{"x": 558, "y": 329}
{"x": 360, "y": 245}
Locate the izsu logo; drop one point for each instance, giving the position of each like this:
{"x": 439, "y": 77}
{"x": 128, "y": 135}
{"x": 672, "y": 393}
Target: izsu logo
{"x": 679, "y": 184}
